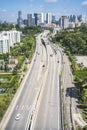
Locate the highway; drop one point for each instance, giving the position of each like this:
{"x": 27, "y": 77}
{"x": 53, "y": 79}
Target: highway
{"x": 39, "y": 102}
{"x": 47, "y": 98}
{"x": 26, "y": 101}
{"x": 48, "y": 116}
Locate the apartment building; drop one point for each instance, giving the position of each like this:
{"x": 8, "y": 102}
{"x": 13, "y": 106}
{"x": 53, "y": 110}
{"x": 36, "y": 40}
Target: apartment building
{"x": 8, "y": 39}
{"x": 4, "y": 44}
{"x": 64, "y": 22}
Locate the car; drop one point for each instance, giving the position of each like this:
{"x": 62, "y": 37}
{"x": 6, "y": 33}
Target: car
{"x": 18, "y": 116}
{"x": 34, "y": 60}
{"x": 51, "y": 55}
{"x": 43, "y": 66}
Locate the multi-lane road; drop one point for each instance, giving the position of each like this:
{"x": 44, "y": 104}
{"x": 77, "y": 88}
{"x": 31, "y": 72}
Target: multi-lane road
{"x": 38, "y": 103}
{"x": 26, "y": 102}
{"x": 48, "y": 116}
{"x": 45, "y": 101}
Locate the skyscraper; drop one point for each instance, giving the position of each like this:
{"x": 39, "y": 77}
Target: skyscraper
{"x": 49, "y": 18}
{"x": 29, "y": 19}
{"x": 53, "y": 18}
{"x": 82, "y": 18}
{"x": 20, "y": 20}
{"x": 37, "y": 18}
{"x": 42, "y": 17}
{"x": 64, "y": 22}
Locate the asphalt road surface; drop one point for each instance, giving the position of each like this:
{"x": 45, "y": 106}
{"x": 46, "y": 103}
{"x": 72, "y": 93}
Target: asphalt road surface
{"x": 49, "y": 114}
{"x": 25, "y": 103}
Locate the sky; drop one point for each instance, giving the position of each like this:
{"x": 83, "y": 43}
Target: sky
{"x": 9, "y": 8}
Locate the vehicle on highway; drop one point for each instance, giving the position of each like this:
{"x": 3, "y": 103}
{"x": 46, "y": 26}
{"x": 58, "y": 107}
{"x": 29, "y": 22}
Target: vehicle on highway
{"x": 18, "y": 116}
{"x": 51, "y": 55}
{"x": 37, "y": 52}
{"x": 43, "y": 66}
{"x": 34, "y": 60}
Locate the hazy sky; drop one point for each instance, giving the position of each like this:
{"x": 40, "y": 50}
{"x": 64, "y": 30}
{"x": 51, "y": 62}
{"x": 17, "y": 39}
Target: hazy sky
{"x": 10, "y": 8}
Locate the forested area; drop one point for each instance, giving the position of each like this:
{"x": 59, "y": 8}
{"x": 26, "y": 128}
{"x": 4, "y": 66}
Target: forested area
{"x": 74, "y": 40}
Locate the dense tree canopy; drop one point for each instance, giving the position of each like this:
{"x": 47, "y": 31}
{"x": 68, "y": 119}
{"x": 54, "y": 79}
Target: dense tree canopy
{"x": 75, "y": 41}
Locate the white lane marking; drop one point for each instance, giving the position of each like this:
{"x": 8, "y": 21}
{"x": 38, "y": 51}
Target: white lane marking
{"x": 29, "y": 118}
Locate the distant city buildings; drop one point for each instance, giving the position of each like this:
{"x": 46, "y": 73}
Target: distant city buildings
{"x": 38, "y": 18}
{"x": 64, "y": 22}
{"x": 20, "y": 20}
{"x": 48, "y": 20}
{"x": 8, "y": 39}
{"x": 53, "y": 18}
{"x": 72, "y": 21}
{"x": 35, "y": 19}
{"x": 29, "y": 20}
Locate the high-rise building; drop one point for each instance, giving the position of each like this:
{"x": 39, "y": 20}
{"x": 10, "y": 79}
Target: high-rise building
{"x": 42, "y": 17}
{"x": 4, "y": 44}
{"x": 64, "y": 22}
{"x": 45, "y": 18}
{"x": 48, "y": 18}
{"x": 70, "y": 18}
{"x": 20, "y": 20}
{"x": 37, "y": 18}
{"x": 73, "y": 18}
{"x": 53, "y": 18}
{"x": 82, "y": 18}
{"x": 33, "y": 21}
{"x": 29, "y": 19}
{"x": 7, "y": 40}
{"x": 25, "y": 22}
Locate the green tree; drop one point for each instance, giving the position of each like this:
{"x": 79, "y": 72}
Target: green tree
{"x": 85, "y": 128}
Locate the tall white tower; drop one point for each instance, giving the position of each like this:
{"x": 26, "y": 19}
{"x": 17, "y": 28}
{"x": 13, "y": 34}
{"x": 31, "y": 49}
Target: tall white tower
{"x": 49, "y": 18}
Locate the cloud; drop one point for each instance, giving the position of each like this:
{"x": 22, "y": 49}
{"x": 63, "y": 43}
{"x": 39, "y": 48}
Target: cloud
{"x": 84, "y": 2}
{"x": 51, "y": 1}
{"x": 3, "y": 10}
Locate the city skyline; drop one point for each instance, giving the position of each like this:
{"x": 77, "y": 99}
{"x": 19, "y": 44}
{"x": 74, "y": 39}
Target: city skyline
{"x": 9, "y": 8}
